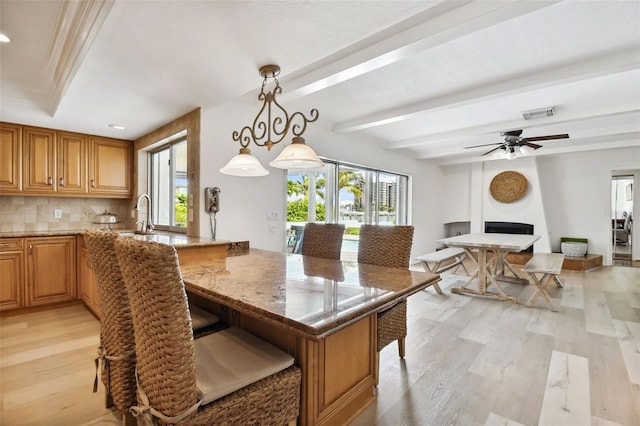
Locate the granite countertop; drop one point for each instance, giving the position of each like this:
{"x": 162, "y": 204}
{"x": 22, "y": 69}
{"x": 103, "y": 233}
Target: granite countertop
{"x": 312, "y": 297}
{"x": 172, "y": 238}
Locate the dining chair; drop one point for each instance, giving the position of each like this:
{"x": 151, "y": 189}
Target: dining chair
{"x": 323, "y": 240}
{"x": 228, "y": 377}
{"x": 116, "y": 352}
{"x": 388, "y": 246}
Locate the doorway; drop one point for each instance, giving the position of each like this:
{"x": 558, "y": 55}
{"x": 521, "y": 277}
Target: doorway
{"x": 622, "y": 189}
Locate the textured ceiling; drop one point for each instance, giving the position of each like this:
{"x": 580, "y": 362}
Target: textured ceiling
{"x": 426, "y": 77}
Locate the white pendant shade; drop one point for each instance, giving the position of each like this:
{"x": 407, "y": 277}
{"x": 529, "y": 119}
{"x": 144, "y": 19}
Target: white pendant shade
{"x": 297, "y": 156}
{"x": 244, "y": 164}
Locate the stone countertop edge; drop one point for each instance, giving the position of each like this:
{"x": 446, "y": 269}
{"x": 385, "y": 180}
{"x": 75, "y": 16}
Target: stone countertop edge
{"x": 173, "y": 238}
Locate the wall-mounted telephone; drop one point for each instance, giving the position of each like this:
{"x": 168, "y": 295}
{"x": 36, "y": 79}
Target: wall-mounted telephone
{"x": 212, "y": 206}
{"x": 212, "y": 199}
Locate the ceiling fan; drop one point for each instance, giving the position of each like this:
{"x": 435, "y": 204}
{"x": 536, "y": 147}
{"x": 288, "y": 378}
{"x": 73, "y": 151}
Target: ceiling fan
{"x": 515, "y": 145}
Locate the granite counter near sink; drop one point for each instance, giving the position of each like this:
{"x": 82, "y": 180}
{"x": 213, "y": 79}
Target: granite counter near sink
{"x": 183, "y": 243}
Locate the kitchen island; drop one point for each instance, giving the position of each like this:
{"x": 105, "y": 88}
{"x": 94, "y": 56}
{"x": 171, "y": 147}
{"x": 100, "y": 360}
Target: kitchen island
{"x": 50, "y": 268}
{"x": 321, "y": 311}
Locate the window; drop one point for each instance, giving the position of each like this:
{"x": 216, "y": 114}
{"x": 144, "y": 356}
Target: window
{"x": 344, "y": 193}
{"x": 168, "y": 173}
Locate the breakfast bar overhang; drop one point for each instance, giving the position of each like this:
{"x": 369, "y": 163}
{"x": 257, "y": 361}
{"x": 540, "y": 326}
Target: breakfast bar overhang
{"x": 321, "y": 311}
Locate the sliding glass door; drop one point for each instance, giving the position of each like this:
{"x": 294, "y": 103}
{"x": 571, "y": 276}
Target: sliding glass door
{"x": 348, "y": 194}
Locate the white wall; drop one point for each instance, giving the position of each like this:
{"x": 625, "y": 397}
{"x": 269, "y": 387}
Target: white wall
{"x": 482, "y": 207}
{"x": 246, "y": 202}
{"x": 577, "y": 193}
{"x": 569, "y": 195}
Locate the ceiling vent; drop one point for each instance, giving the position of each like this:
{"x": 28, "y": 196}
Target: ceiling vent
{"x": 539, "y": 113}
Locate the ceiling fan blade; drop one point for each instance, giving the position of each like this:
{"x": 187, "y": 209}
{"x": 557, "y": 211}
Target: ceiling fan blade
{"x": 486, "y": 144}
{"x": 546, "y": 138}
{"x": 494, "y": 149}
{"x": 532, "y": 145}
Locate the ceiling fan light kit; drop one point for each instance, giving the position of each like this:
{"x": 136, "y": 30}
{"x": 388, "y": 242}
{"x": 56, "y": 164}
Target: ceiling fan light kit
{"x": 515, "y": 145}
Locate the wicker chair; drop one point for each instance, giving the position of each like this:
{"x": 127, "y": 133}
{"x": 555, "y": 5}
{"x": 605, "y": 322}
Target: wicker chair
{"x": 323, "y": 240}
{"x": 117, "y": 344}
{"x": 228, "y": 377}
{"x": 388, "y": 246}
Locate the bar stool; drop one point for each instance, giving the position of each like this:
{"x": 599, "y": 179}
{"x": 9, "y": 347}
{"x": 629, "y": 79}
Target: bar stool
{"x": 228, "y": 377}
{"x": 323, "y": 240}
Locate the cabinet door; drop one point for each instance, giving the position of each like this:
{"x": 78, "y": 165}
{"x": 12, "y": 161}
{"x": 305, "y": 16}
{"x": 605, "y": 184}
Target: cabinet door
{"x": 39, "y": 160}
{"x": 111, "y": 166}
{"x": 51, "y": 269}
{"x": 87, "y": 284}
{"x": 10, "y": 158}
{"x": 72, "y": 163}
{"x": 11, "y": 273}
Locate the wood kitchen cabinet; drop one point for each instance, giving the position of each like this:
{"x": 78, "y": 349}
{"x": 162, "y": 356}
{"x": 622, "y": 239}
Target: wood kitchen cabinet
{"x": 50, "y": 269}
{"x": 110, "y": 168}
{"x": 72, "y": 158}
{"x": 39, "y": 161}
{"x": 87, "y": 283}
{"x": 11, "y": 273}
{"x": 39, "y": 165}
{"x": 10, "y": 158}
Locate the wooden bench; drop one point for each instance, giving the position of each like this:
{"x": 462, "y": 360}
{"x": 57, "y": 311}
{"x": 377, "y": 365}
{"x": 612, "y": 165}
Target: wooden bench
{"x": 548, "y": 264}
{"x": 439, "y": 257}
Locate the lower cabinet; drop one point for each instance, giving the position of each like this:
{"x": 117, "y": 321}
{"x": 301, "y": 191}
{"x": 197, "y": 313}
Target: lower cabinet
{"x": 50, "y": 273}
{"x": 11, "y": 273}
{"x": 87, "y": 284}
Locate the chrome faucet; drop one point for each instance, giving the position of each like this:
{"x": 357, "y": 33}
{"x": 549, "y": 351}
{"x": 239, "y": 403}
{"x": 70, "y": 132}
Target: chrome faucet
{"x": 147, "y": 226}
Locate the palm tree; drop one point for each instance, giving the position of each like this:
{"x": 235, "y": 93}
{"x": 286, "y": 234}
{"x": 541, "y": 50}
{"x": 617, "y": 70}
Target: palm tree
{"x": 353, "y": 182}
{"x": 295, "y": 188}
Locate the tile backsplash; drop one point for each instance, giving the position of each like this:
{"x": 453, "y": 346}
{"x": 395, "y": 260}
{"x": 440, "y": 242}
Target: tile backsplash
{"x": 19, "y": 214}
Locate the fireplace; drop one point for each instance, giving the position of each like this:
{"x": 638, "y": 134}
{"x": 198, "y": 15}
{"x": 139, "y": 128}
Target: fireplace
{"x": 510, "y": 228}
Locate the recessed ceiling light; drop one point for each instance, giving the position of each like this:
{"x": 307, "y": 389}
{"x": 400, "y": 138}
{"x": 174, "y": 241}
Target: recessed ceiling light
{"x": 4, "y": 38}
{"x": 115, "y": 126}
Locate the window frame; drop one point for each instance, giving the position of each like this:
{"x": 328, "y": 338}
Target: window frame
{"x": 167, "y": 144}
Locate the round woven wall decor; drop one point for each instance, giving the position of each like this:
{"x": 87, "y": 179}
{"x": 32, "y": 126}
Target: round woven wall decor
{"x": 508, "y": 187}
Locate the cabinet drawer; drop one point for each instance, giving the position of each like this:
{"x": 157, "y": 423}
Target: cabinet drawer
{"x": 10, "y": 244}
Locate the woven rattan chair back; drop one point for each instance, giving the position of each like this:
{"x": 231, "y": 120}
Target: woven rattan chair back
{"x": 161, "y": 323}
{"x": 388, "y": 246}
{"x": 385, "y": 245}
{"x": 116, "y": 326}
{"x": 323, "y": 240}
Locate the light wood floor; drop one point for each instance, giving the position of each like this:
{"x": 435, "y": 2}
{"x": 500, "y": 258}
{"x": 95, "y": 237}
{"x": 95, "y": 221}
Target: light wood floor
{"x": 469, "y": 360}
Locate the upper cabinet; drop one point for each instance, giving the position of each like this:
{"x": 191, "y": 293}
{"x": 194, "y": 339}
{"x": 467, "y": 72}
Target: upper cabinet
{"x": 39, "y": 164}
{"x": 10, "y": 158}
{"x": 72, "y": 150}
{"x": 111, "y": 163}
{"x": 38, "y": 161}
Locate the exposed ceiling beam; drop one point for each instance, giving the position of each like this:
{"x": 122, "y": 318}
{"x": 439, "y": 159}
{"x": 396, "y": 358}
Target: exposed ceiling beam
{"x": 495, "y": 128}
{"x": 580, "y": 70}
{"x": 437, "y": 25}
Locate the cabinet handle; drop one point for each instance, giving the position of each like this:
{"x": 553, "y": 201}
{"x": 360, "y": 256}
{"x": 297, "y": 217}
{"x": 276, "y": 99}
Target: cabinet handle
{"x": 61, "y": 181}
{"x": 30, "y": 248}
{"x": 49, "y": 181}
{"x": 93, "y": 183}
